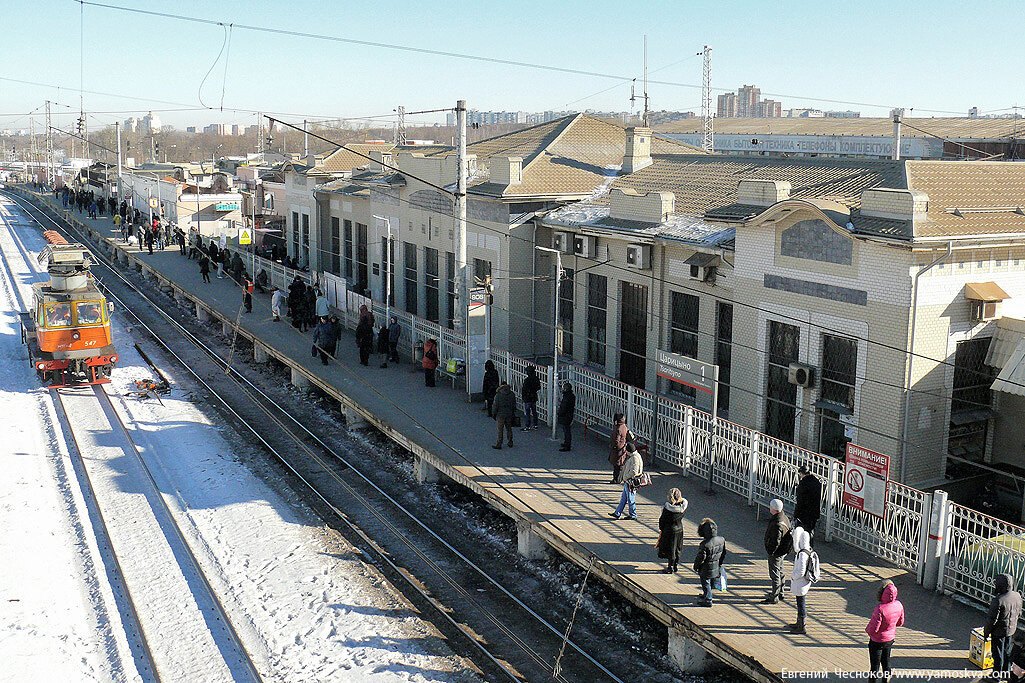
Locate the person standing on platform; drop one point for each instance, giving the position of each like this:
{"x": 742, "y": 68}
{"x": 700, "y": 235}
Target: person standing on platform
{"x": 321, "y": 305}
{"x": 324, "y": 339}
{"x": 394, "y": 333}
{"x": 709, "y": 560}
{"x": 505, "y": 413}
{"x": 204, "y": 267}
{"x": 382, "y": 345}
{"x": 670, "y": 530}
{"x": 633, "y": 467}
{"x": 247, "y": 292}
{"x": 809, "y": 502}
{"x": 310, "y": 306}
{"x": 275, "y": 303}
{"x": 806, "y": 572}
{"x": 779, "y": 541}
{"x": 489, "y": 386}
{"x": 528, "y": 392}
{"x": 148, "y": 236}
{"x": 365, "y": 340}
{"x": 1002, "y": 621}
{"x": 564, "y": 415}
{"x": 430, "y": 362}
{"x": 882, "y": 630}
{"x": 617, "y": 446}
{"x": 117, "y": 222}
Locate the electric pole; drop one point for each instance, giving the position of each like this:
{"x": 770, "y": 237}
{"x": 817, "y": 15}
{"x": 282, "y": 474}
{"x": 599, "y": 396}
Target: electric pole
{"x": 708, "y": 138}
{"x": 400, "y": 132}
{"x": 306, "y": 140}
{"x": 462, "y": 269}
{"x": 50, "y": 175}
{"x": 120, "y": 187}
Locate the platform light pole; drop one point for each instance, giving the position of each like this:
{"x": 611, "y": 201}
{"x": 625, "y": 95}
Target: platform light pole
{"x": 555, "y": 335}
{"x": 386, "y": 257}
{"x": 463, "y": 270}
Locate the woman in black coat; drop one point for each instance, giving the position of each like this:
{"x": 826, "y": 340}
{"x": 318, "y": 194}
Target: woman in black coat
{"x": 365, "y": 340}
{"x": 709, "y": 560}
{"x": 490, "y": 386}
{"x": 670, "y": 530}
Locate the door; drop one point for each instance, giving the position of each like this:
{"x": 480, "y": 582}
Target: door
{"x": 633, "y": 334}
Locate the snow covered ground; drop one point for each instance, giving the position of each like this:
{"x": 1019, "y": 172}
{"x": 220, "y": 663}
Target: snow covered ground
{"x": 304, "y": 602}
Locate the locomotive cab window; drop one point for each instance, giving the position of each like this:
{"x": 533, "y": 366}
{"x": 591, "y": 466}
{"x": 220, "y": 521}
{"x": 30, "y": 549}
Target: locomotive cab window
{"x": 90, "y": 312}
{"x": 58, "y": 315}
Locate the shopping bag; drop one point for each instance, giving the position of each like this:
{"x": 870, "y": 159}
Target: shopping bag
{"x": 721, "y": 583}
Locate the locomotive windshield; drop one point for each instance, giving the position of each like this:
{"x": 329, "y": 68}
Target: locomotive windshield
{"x": 90, "y": 312}
{"x": 58, "y": 315}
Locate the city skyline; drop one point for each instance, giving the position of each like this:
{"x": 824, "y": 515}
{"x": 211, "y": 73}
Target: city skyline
{"x": 379, "y": 78}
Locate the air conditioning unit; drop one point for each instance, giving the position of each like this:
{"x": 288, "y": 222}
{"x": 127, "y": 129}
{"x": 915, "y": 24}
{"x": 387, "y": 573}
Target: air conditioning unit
{"x": 563, "y": 241}
{"x": 702, "y": 273}
{"x": 638, "y": 256}
{"x": 585, "y": 245}
{"x": 985, "y": 310}
{"x": 800, "y": 374}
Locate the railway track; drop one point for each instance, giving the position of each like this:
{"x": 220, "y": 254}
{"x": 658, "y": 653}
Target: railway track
{"x": 502, "y": 634}
{"x": 184, "y": 629}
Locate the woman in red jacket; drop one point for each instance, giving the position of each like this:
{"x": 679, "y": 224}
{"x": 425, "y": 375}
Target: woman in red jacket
{"x": 882, "y": 629}
{"x": 430, "y": 361}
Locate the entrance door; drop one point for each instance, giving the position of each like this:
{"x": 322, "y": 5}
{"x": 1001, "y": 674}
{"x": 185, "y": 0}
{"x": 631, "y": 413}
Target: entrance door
{"x": 633, "y": 334}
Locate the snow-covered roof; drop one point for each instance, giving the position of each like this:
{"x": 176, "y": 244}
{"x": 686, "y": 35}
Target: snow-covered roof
{"x": 677, "y": 227}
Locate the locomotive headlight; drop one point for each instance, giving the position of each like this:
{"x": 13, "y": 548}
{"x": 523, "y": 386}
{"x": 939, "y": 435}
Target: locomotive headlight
{"x": 40, "y": 366}
{"x": 74, "y": 335}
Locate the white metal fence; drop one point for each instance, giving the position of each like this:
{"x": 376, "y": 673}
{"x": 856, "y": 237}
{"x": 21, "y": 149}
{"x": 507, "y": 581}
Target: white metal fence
{"x": 277, "y": 275}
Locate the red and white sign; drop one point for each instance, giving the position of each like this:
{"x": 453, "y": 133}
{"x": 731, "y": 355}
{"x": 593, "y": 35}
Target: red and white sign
{"x": 865, "y": 478}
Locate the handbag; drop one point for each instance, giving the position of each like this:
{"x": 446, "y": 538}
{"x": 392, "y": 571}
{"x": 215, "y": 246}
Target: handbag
{"x": 313, "y": 351}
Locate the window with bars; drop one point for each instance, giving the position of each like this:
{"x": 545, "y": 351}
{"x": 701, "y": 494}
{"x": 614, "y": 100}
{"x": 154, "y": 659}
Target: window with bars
{"x": 411, "y": 278}
{"x": 336, "y": 245}
{"x": 566, "y": 312}
{"x": 724, "y": 352}
{"x": 836, "y": 387}
{"x": 450, "y": 288}
{"x": 295, "y": 234}
{"x": 362, "y": 260}
{"x": 431, "y": 284}
{"x": 780, "y": 394}
{"x": 684, "y": 310}
{"x": 970, "y": 400}
{"x": 348, "y": 248}
{"x": 597, "y": 318}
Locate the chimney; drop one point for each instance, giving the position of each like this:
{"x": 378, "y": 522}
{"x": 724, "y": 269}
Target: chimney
{"x": 897, "y": 114}
{"x": 379, "y": 159}
{"x": 759, "y": 192}
{"x": 638, "y": 149}
{"x": 507, "y": 170}
{"x": 651, "y": 207}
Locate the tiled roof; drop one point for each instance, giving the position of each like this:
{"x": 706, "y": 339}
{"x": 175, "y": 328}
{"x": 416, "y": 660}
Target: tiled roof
{"x": 970, "y": 197}
{"x": 704, "y": 183}
{"x": 678, "y": 228}
{"x": 567, "y": 156}
{"x": 956, "y": 128}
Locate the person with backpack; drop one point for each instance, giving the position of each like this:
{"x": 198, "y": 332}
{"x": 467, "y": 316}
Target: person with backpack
{"x": 882, "y": 630}
{"x": 806, "y": 572}
{"x": 709, "y": 560}
{"x": 779, "y": 541}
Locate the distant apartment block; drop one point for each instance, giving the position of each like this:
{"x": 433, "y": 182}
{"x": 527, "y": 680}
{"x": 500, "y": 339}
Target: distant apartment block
{"x": 747, "y": 103}
{"x": 215, "y": 129}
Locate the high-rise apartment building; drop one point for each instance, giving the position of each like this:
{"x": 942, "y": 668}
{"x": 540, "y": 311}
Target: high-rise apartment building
{"x": 747, "y": 103}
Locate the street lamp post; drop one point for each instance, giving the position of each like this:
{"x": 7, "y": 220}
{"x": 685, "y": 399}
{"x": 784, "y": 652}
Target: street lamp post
{"x": 555, "y": 334}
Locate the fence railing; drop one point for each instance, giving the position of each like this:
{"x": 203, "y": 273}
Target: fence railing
{"x": 755, "y": 466}
{"x": 278, "y": 275}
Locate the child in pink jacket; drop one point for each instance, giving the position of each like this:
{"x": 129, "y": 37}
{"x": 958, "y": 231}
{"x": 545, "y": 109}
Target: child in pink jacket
{"x": 882, "y": 629}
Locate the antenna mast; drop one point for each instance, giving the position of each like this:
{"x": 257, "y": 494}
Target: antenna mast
{"x": 707, "y": 140}
{"x": 400, "y": 131}
{"x": 644, "y": 119}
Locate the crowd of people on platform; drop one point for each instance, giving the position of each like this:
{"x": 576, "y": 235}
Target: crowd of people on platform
{"x": 307, "y": 308}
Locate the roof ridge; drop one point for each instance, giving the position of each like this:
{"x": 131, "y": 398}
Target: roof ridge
{"x": 570, "y": 121}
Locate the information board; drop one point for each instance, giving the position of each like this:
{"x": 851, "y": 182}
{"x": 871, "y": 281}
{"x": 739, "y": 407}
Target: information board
{"x": 865, "y": 480}
{"x": 686, "y": 370}
{"x": 227, "y": 207}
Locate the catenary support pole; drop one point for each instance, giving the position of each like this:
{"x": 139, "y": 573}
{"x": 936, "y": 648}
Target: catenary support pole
{"x": 462, "y": 268}
{"x": 120, "y": 186}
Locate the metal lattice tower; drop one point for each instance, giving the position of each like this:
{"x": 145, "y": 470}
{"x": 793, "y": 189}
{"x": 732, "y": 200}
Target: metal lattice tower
{"x": 400, "y": 135}
{"x": 707, "y": 140}
{"x": 50, "y": 175}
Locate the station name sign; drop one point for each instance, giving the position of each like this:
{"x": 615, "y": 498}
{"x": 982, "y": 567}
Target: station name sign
{"x": 227, "y": 207}
{"x": 686, "y": 370}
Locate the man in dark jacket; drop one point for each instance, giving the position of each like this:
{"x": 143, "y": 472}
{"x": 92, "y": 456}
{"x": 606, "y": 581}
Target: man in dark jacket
{"x": 489, "y": 386}
{"x": 528, "y": 392}
{"x": 709, "y": 560}
{"x": 564, "y": 415}
{"x": 778, "y": 543}
{"x": 324, "y": 339}
{"x": 1002, "y": 622}
{"x": 809, "y": 501}
{"x": 365, "y": 340}
{"x": 505, "y": 411}
{"x": 394, "y": 332}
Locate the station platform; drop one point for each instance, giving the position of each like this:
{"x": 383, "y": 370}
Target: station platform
{"x": 561, "y": 501}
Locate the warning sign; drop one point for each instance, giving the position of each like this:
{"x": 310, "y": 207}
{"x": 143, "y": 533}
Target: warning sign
{"x": 865, "y": 479}
{"x": 244, "y": 237}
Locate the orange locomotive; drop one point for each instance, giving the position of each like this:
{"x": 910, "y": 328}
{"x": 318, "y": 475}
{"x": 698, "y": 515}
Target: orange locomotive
{"x": 68, "y": 330}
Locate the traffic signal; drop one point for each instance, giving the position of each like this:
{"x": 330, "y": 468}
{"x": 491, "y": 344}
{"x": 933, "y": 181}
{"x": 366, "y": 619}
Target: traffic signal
{"x": 270, "y": 140}
{"x": 156, "y": 148}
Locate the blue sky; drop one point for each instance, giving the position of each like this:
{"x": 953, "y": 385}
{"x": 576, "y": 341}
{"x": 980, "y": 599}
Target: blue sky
{"x": 933, "y": 56}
